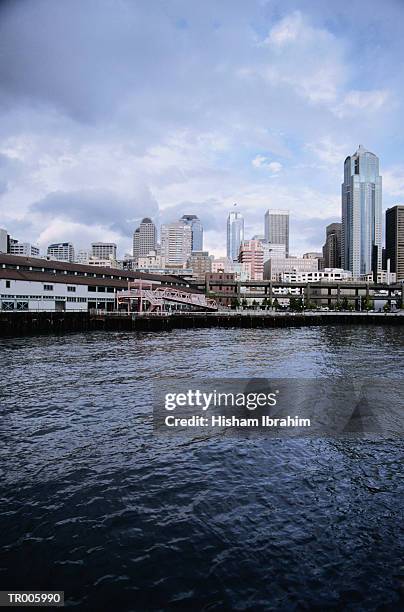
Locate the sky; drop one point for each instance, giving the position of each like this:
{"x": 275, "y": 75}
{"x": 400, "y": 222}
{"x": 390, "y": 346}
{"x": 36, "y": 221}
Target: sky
{"x": 113, "y": 110}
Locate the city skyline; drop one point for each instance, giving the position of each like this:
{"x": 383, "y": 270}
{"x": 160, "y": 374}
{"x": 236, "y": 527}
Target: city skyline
{"x": 87, "y": 153}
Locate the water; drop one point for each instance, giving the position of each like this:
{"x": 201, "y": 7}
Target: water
{"x": 96, "y": 505}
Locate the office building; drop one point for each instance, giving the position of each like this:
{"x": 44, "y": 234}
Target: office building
{"x": 23, "y": 248}
{"x": 144, "y": 238}
{"x": 326, "y": 275}
{"x": 252, "y": 255}
{"x": 235, "y": 234}
{"x": 274, "y": 268}
{"x": 277, "y": 227}
{"x": 332, "y": 246}
{"x": 395, "y": 240}
{"x": 196, "y": 229}
{"x": 361, "y": 235}
{"x": 151, "y": 261}
{"x": 103, "y": 250}
{"x": 176, "y": 241}
{"x": 201, "y": 263}
{"x": 273, "y": 250}
{"x": 62, "y": 251}
{"x": 3, "y": 241}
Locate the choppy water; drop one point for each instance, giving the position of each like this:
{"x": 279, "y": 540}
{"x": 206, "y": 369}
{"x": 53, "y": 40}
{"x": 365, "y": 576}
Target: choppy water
{"x": 96, "y": 505}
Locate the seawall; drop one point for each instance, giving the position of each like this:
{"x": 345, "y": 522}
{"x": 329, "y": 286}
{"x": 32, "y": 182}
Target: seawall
{"x": 28, "y": 323}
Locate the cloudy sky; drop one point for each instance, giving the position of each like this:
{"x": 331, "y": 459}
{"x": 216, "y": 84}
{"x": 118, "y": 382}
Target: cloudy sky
{"x": 111, "y": 110}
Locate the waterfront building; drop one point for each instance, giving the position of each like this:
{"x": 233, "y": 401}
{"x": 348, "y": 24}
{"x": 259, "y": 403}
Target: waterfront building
{"x": 274, "y": 268}
{"x": 23, "y": 248}
{"x": 103, "y": 250}
{"x": 332, "y": 246}
{"x": 28, "y": 283}
{"x": 176, "y": 243}
{"x": 235, "y": 234}
{"x": 277, "y": 227}
{"x": 252, "y": 255}
{"x": 200, "y": 263}
{"x": 196, "y": 229}
{"x": 361, "y": 235}
{"x": 61, "y": 251}
{"x": 144, "y": 238}
{"x": 214, "y": 283}
{"x": 395, "y": 240}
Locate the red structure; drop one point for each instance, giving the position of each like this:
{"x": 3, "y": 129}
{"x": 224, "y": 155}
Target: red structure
{"x": 153, "y": 296}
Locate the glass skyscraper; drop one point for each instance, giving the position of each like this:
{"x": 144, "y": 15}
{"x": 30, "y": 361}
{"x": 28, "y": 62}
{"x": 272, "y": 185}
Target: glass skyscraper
{"x": 197, "y": 231}
{"x": 361, "y": 237}
{"x": 235, "y": 234}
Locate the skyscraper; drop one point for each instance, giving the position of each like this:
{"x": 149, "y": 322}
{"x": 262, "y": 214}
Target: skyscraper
{"x": 332, "y": 246}
{"x": 197, "y": 231}
{"x": 235, "y": 234}
{"x": 176, "y": 241}
{"x": 361, "y": 236}
{"x": 144, "y": 238}
{"x": 395, "y": 239}
{"x": 277, "y": 227}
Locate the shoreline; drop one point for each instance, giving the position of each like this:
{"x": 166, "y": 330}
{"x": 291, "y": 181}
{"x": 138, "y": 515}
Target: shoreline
{"x": 13, "y": 324}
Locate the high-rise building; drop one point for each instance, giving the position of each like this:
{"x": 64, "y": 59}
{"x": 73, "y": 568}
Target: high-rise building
{"x": 3, "y": 241}
{"x": 176, "y": 241}
{"x": 277, "y": 227}
{"x": 197, "y": 231}
{"x": 235, "y": 234}
{"x": 252, "y": 254}
{"x": 62, "y": 251}
{"x": 200, "y": 263}
{"x": 144, "y": 238}
{"x": 332, "y": 246}
{"x": 103, "y": 250}
{"x": 395, "y": 240}
{"x": 273, "y": 250}
{"x": 25, "y": 249}
{"x": 361, "y": 236}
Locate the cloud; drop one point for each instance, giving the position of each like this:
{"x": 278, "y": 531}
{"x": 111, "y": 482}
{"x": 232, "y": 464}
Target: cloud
{"x": 393, "y": 182}
{"x": 263, "y": 162}
{"x": 359, "y": 101}
{"x": 308, "y": 59}
{"x": 114, "y": 111}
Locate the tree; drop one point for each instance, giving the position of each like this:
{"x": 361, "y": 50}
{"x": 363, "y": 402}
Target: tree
{"x": 244, "y": 303}
{"x": 296, "y": 304}
{"x": 386, "y": 307}
{"x": 367, "y": 303}
{"x": 345, "y": 304}
{"x": 276, "y": 304}
{"x": 254, "y": 304}
{"x": 235, "y": 303}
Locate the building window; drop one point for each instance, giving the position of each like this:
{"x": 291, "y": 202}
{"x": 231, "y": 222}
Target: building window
{"x": 48, "y": 287}
{"x": 71, "y": 288}
{"x": 8, "y": 284}
{"x": 90, "y": 288}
